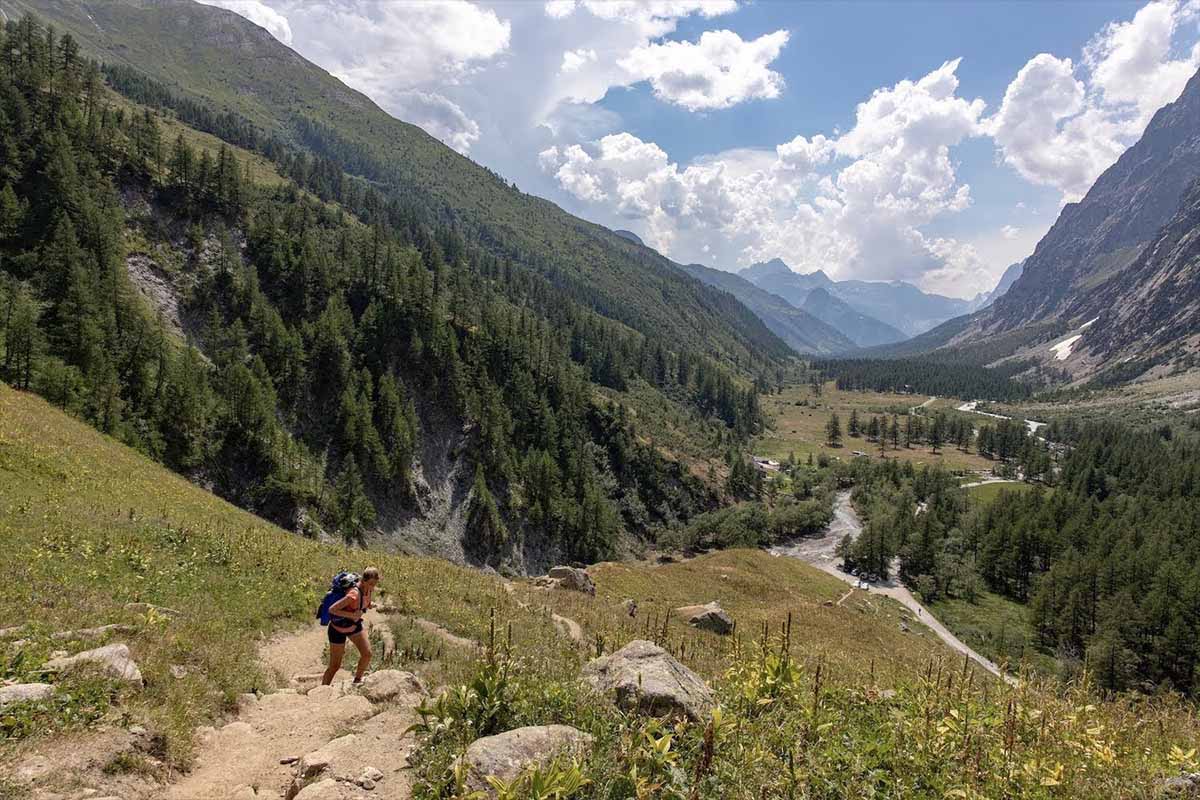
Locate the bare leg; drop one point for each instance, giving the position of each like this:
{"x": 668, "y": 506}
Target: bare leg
{"x": 336, "y": 651}
{"x": 364, "y": 654}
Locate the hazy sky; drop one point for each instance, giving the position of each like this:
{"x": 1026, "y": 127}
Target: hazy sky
{"x": 929, "y": 142}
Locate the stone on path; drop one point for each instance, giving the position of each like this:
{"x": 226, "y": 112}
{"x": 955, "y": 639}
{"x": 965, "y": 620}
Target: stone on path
{"x": 506, "y": 755}
{"x": 328, "y": 789}
{"x": 113, "y": 659}
{"x": 1181, "y": 786}
{"x": 91, "y": 633}
{"x": 710, "y": 617}
{"x": 24, "y": 693}
{"x": 388, "y": 684}
{"x": 644, "y": 677}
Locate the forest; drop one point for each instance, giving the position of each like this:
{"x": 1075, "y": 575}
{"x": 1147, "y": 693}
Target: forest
{"x": 928, "y": 377}
{"x": 1102, "y": 551}
{"x": 317, "y": 343}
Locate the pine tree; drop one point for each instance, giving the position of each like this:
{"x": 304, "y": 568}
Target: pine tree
{"x": 833, "y": 431}
{"x": 353, "y": 511}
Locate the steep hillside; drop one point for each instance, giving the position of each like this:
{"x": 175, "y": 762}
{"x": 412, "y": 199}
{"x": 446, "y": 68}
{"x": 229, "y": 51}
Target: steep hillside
{"x": 341, "y": 370}
{"x": 221, "y": 59}
{"x": 863, "y": 330}
{"x": 804, "y": 331}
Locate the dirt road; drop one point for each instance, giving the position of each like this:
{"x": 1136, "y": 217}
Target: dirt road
{"x": 819, "y": 552}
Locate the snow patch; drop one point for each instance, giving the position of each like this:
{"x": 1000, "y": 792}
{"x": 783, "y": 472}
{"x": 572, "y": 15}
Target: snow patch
{"x": 1062, "y": 350}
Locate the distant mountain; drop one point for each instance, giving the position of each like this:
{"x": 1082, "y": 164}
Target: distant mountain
{"x": 631, "y": 236}
{"x": 863, "y": 330}
{"x": 1122, "y": 257}
{"x": 985, "y": 299}
{"x": 804, "y": 331}
{"x": 897, "y": 304}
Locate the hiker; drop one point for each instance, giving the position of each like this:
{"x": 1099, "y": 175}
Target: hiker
{"x": 346, "y": 622}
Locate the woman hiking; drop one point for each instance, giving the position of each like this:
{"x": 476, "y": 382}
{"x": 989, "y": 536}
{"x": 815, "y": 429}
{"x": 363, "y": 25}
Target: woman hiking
{"x": 346, "y": 622}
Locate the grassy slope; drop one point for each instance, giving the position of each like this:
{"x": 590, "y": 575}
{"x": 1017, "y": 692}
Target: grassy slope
{"x": 90, "y": 525}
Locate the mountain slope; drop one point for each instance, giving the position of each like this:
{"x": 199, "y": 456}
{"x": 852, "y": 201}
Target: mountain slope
{"x": 220, "y": 58}
{"x": 1114, "y": 269}
{"x": 804, "y": 331}
{"x": 863, "y": 330}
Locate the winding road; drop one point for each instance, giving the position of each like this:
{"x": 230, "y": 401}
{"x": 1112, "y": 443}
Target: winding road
{"x": 819, "y": 552}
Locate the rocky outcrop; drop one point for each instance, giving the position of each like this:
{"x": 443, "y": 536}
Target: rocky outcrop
{"x": 643, "y": 677}
{"x": 710, "y": 617}
{"x": 114, "y": 659}
{"x": 24, "y": 693}
{"x": 506, "y": 755}
{"x": 1181, "y": 786}
{"x": 572, "y": 578}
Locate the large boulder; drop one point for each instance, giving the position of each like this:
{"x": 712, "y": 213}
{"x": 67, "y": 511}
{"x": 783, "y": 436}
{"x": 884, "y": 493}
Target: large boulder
{"x": 506, "y": 755}
{"x": 573, "y": 578}
{"x": 710, "y": 617}
{"x": 24, "y": 693}
{"x": 113, "y": 659}
{"x": 388, "y": 684}
{"x": 642, "y": 676}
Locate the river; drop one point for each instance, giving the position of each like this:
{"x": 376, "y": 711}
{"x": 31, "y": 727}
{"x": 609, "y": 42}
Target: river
{"x": 819, "y": 551}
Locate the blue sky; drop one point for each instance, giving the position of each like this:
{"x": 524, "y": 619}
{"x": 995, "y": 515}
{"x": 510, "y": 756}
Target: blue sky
{"x": 929, "y": 142}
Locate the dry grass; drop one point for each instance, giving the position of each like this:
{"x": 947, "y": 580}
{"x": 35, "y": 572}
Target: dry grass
{"x": 800, "y": 429}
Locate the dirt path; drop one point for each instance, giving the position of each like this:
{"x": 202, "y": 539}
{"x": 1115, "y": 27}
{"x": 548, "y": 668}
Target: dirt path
{"x": 329, "y": 742}
{"x": 819, "y": 552}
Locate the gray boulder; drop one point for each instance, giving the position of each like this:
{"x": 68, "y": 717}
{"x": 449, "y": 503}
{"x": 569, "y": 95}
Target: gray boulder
{"x": 24, "y": 693}
{"x": 710, "y": 617}
{"x": 113, "y": 659}
{"x": 506, "y": 755}
{"x": 577, "y": 580}
{"x": 1181, "y": 786}
{"x": 387, "y": 684}
{"x": 644, "y": 677}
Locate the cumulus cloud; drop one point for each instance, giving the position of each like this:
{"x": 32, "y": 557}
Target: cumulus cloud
{"x": 441, "y": 118}
{"x": 575, "y": 59}
{"x": 1010, "y": 231}
{"x": 718, "y": 71}
{"x": 1062, "y": 123}
{"x": 260, "y": 14}
{"x": 852, "y": 205}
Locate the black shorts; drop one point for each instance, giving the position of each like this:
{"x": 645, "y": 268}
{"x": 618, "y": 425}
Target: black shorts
{"x": 337, "y": 637}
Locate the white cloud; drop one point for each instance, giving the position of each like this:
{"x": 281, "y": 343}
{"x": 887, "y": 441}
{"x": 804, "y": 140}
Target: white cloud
{"x": 260, "y": 14}
{"x": 1010, "y": 231}
{"x": 1061, "y": 124}
{"x": 854, "y": 205}
{"x": 576, "y": 59}
{"x": 441, "y": 118}
{"x": 719, "y": 71}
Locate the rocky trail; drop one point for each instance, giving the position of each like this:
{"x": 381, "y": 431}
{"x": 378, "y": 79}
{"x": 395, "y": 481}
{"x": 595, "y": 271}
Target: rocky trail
{"x": 307, "y": 741}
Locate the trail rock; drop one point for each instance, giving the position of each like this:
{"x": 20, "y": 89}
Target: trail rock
{"x": 386, "y": 684}
{"x": 327, "y": 789}
{"x": 91, "y": 633}
{"x": 645, "y": 677}
{"x": 710, "y": 617}
{"x": 24, "y": 693}
{"x": 147, "y": 608}
{"x": 507, "y": 754}
{"x": 113, "y": 659}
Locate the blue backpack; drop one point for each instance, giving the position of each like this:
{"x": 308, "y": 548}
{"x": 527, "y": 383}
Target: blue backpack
{"x": 342, "y": 583}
